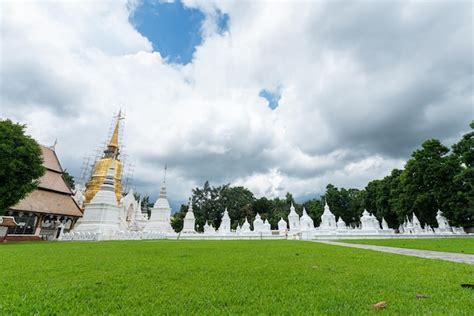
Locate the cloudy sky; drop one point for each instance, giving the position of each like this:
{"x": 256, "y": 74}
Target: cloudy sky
{"x": 283, "y": 96}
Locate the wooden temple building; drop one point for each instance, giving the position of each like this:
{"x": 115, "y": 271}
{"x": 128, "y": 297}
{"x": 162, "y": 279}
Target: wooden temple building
{"x": 43, "y": 212}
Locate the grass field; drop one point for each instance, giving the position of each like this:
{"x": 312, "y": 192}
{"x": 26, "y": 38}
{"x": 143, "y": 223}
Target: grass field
{"x": 459, "y": 245}
{"x": 224, "y": 277}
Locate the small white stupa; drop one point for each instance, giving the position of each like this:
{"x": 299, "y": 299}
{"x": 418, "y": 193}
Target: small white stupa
{"x": 306, "y": 222}
{"x": 189, "y": 220}
{"x": 294, "y": 219}
{"x": 208, "y": 229}
{"x": 341, "y": 225}
{"x": 101, "y": 215}
{"x": 161, "y": 212}
{"x": 328, "y": 220}
{"x": 131, "y": 216}
{"x": 375, "y": 222}
{"x": 224, "y": 228}
{"x": 443, "y": 224}
{"x": 408, "y": 226}
{"x": 384, "y": 224}
{"x": 417, "y": 225}
{"x": 79, "y": 195}
{"x": 266, "y": 227}
{"x": 246, "y": 226}
{"x": 282, "y": 226}
{"x": 369, "y": 222}
{"x": 257, "y": 223}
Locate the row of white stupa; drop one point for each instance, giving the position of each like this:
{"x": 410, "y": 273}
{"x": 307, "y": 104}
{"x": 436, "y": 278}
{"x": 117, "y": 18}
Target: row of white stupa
{"x": 105, "y": 219}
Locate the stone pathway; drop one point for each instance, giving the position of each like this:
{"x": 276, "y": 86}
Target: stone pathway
{"x": 449, "y": 256}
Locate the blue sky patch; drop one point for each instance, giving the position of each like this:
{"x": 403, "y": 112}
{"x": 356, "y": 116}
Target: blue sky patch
{"x": 271, "y": 96}
{"x": 222, "y": 22}
{"x": 173, "y": 29}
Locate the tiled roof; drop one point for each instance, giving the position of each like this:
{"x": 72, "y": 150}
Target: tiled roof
{"x": 54, "y": 181}
{"x": 8, "y": 221}
{"x": 42, "y": 201}
{"x": 53, "y": 196}
{"x": 50, "y": 160}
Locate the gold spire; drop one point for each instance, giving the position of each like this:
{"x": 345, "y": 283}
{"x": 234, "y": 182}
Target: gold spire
{"x": 114, "y": 139}
{"x": 102, "y": 165}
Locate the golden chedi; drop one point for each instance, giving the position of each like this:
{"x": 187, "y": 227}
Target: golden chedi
{"x": 102, "y": 165}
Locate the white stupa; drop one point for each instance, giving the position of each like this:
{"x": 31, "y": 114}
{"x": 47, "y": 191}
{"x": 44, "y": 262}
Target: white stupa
{"x": 282, "y": 226}
{"x": 306, "y": 222}
{"x": 245, "y": 226}
{"x": 189, "y": 220}
{"x": 293, "y": 219}
{"x": 341, "y": 225}
{"x": 208, "y": 229}
{"x": 131, "y": 216}
{"x": 443, "y": 224}
{"x": 79, "y": 194}
{"x": 417, "y": 225}
{"x": 101, "y": 215}
{"x": 160, "y": 213}
{"x": 328, "y": 220}
{"x": 224, "y": 228}
{"x": 384, "y": 224}
{"x": 375, "y": 222}
{"x": 369, "y": 222}
{"x": 266, "y": 226}
{"x": 257, "y": 223}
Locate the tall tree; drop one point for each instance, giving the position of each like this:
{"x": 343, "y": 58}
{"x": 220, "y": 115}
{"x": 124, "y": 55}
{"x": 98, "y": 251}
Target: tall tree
{"x": 347, "y": 204}
{"x": 386, "y": 197}
{"x": 424, "y": 180}
{"x": 459, "y": 204}
{"x": 21, "y": 164}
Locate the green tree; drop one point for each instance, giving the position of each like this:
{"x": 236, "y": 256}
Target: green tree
{"x": 459, "y": 203}
{"x": 209, "y": 204}
{"x": 426, "y": 180}
{"x": 146, "y": 204}
{"x": 386, "y": 199}
{"x": 21, "y": 164}
{"x": 371, "y": 191}
{"x": 345, "y": 203}
{"x": 314, "y": 208}
{"x": 69, "y": 179}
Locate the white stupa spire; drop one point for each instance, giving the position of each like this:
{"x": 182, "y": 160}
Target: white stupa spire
{"x": 161, "y": 212}
{"x": 327, "y": 210}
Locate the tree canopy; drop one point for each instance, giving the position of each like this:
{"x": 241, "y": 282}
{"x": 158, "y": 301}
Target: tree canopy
{"x": 21, "y": 164}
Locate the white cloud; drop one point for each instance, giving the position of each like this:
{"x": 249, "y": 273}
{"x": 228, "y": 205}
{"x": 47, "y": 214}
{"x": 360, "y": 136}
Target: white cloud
{"x": 361, "y": 86}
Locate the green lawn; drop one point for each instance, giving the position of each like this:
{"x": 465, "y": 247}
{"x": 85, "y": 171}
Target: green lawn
{"x": 224, "y": 277}
{"x": 460, "y": 245}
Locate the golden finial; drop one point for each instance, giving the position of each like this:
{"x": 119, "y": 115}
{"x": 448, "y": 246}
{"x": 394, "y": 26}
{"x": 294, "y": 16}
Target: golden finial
{"x": 114, "y": 139}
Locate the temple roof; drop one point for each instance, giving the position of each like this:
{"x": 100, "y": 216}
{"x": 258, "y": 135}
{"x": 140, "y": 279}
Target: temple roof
{"x": 54, "y": 181}
{"x": 50, "y": 160}
{"x": 41, "y": 201}
{"x": 52, "y": 196}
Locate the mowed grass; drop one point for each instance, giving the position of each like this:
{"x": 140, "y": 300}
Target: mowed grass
{"x": 459, "y": 245}
{"x": 224, "y": 277}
